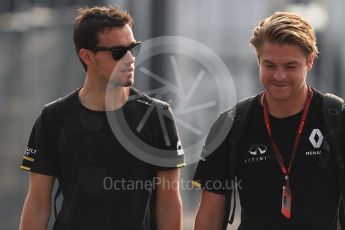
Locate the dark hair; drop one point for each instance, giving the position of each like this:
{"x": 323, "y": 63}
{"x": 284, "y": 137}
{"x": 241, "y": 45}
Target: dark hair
{"x": 91, "y": 21}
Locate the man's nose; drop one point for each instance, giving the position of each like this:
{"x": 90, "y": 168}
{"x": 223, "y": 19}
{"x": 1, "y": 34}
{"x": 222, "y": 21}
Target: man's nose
{"x": 129, "y": 58}
{"x": 279, "y": 74}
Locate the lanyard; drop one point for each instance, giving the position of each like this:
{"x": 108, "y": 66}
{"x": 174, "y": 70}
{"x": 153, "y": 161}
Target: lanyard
{"x": 276, "y": 151}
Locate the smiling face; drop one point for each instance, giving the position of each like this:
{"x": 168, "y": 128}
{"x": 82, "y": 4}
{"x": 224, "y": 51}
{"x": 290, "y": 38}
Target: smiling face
{"x": 283, "y": 69}
{"x": 116, "y": 72}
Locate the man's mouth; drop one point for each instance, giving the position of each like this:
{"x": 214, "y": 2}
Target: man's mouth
{"x": 128, "y": 71}
{"x": 279, "y": 85}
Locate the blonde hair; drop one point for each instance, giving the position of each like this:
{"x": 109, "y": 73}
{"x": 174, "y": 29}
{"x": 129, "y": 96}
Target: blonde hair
{"x": 285, "y": 28}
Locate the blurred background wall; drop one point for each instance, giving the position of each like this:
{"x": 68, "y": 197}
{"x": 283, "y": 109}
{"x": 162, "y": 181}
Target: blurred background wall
{"x": 38, "y": 63}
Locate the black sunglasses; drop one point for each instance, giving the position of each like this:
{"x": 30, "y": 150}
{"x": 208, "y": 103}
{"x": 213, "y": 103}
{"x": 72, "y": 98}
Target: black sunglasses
{"x": 119, "y": 51}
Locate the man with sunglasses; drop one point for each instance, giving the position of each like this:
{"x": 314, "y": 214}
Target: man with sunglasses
{"x": 103, "y": 185}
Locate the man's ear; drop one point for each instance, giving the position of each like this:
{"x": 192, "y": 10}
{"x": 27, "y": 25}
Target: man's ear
{"x": 310, "y": 61}
{"x": 86, "y": 56}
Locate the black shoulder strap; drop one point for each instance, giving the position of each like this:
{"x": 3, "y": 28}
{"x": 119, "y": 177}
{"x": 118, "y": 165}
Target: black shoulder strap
{"x": 51, "y": 110}
{"x": 54, "y": 112}
{"x": 161, "y": 103}
{"x": 240, "y": 115}
{"x": 333, "y": 107}
{"x": 332, "y": 110}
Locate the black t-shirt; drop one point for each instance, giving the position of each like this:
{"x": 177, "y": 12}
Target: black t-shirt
{"x": 103, "y": 185}
{"x": 313, "y": 179}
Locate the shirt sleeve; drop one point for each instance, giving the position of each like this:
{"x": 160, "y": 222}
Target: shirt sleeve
{"x": 38, "y": 156}
{"x": 213, "y": 168}
{"x": 166, "y": 138}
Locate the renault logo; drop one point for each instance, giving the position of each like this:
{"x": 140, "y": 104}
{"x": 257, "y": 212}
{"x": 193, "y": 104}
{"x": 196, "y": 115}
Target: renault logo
{"x": 316, "y": 138}
{"x": 258, "y": 149}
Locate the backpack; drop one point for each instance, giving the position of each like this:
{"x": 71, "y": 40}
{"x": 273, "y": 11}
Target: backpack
{"x": 332, "y": 108}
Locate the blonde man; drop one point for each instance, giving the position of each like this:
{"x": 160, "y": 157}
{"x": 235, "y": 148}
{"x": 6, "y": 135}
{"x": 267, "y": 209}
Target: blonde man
{"x": 286, "y": 176}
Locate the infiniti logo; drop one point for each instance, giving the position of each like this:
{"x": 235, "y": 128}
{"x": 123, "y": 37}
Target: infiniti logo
{"x": 258, "y": 149}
